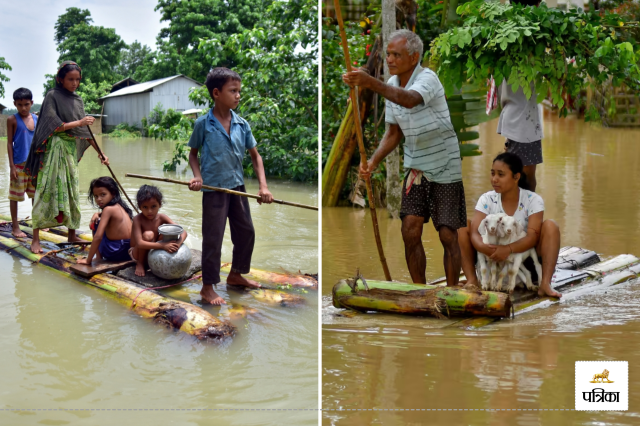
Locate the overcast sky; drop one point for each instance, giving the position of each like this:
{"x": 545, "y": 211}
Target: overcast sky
{"x": 26, "y": 35}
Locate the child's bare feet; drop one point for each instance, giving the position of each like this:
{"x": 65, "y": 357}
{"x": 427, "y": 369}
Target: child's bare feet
{"x": 235, "y": 278}
{"x": 35, "y": 247}
{"x": 140, "y": 270}
{"x": 17, "y": 232}
{"x": 210, "y": 296}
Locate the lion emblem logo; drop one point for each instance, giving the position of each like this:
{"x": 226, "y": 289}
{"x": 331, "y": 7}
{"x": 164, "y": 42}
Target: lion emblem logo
{"x": 600, "y": 378}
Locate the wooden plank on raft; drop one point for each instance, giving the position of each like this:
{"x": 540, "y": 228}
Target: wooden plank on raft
{"x": 99, "y": 267}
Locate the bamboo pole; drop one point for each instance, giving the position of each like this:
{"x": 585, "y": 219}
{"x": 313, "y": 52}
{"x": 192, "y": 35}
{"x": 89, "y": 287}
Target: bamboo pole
{"x": 111, "y": 171}
{"x": 213, "y": 188}
{"x": 363, "y": 153}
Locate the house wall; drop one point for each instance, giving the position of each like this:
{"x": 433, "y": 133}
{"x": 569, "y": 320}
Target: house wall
{"x": 96, "y": 127}
{"x": 173, "y": 94}
{"x": 126, "y": 109}
{"x": 3, "y": 125}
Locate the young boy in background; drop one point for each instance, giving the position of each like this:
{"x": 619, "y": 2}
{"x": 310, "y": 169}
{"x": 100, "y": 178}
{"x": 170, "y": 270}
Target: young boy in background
{"x": 222, "y": 137}
{"x": 20, "y": 129}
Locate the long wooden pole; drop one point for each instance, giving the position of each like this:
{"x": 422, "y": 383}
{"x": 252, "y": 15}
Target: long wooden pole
{"x": 228, "y": 191}
{"x": 363, "y": 153}
{"x": 111, "y": 171}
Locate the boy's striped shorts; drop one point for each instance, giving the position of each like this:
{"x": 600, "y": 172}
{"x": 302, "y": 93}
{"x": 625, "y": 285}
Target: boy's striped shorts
{"x": 19, "y": 186}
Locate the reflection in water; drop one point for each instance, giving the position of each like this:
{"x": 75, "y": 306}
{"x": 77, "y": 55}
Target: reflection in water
{"x": 588, "y": 181}
{"x": 64, "y": 345}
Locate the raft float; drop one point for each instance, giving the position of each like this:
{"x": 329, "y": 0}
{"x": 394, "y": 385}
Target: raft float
{"x": 578, "y": 272}
{"x": 140, "y": 296}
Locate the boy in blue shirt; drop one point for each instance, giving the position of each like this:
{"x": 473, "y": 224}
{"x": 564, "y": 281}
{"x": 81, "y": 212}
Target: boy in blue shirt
{"x": 222, "y": 137}
{"x": 20, "y": 129}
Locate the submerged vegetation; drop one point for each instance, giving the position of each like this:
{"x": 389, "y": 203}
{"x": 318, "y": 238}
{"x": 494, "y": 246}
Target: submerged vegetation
{"x": 125, "y": 131}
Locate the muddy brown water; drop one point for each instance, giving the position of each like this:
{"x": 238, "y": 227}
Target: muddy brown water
{"x": 590, "y": 181}
{"x": 65, "y": 346}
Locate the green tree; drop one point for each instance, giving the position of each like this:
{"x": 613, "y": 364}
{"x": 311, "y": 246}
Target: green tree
{"x": 560, "y": 53}
{"x": 90, "y": 93}
{"x": 133, "y": 57}
{"x": 189, "y": 21}
{"x": 71, "y": 18}
{"x": 3, "y": 66}
{"x": 159, "y": 64}
{"x": 97, "y": 50}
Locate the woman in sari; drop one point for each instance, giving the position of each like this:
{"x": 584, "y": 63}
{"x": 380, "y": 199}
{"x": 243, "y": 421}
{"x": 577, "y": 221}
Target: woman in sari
{"x": 60, "y": 139}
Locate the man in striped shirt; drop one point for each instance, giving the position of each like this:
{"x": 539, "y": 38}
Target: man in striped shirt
{"x": 417, "y": 110}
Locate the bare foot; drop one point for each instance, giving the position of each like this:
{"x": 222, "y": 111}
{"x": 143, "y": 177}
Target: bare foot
{"x": 73, "y": 239}
{"x": 140, "y": 270}
{"x": 45, "y": 229}
{"x": 545, "y": 290}
{"x": 17, "y": 232}
{"x": 235, "y": 278}
{"x": 210, "y": 296}
{"x": 470, "y": 286}
{"x": 35, "y": 247}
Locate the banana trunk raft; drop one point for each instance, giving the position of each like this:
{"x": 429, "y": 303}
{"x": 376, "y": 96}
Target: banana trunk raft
{"x": 578, "y": 272}
{"x": 416, "y": 299}
{"x": 164, "y": 310}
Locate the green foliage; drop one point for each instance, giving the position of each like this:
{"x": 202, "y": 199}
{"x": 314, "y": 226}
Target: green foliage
{"x": 90, "y": 92}
{"x": 3, "y": 66}
{"x": 334, "y": 92}
{"x": 178, "y": 43}
{"x": 97, "y": 50}
{"x": 133, "y": 58}
{"x": 155, "y": 117}
{"x": 556, "y": 52}
{"x": 124, "y": 130}
{"x": 276, "y": 61}
{"x": 171, "y": 125}
{"x": 72, "y": 17}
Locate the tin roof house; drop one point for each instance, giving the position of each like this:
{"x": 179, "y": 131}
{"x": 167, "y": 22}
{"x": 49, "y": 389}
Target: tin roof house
{"x": 131, "y": 103}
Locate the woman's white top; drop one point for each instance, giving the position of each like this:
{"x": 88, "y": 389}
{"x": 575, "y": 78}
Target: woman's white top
{"x": 529, "y": 203}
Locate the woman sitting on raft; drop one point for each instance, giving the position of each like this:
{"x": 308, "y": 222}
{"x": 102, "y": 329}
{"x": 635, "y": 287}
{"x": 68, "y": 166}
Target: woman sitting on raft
{"x": 60, "y": 139}
{"x": 512, "y": 197}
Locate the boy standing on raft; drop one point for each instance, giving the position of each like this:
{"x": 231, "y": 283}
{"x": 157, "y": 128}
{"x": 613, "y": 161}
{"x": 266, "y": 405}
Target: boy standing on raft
{"x": 20, "y": 128}
{"x": 222, "y": 137}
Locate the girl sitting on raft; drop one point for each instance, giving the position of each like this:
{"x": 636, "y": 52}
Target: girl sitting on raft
{"x": 511, "y": 196}
{"x": 60, "y": 139}
{"x": 111, "y": 228}
{"x": 145, "y": 235}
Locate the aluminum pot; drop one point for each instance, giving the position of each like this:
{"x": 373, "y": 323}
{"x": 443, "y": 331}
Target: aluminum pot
{"x": 167, "y": 265}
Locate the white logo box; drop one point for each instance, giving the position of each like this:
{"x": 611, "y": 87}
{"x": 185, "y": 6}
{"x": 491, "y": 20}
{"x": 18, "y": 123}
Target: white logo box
{"x": 602, "y": 396}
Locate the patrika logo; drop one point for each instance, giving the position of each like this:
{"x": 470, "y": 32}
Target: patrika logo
{"x": 594, "y": 388}
{"x": 600, "y": 378}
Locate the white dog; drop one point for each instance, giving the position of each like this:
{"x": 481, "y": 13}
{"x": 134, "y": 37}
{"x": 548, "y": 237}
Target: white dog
{"x": 511, "y": 231}
{"x": 490, "y": 230}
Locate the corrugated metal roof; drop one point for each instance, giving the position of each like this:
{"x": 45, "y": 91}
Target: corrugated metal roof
{"x": 147, "y": 86}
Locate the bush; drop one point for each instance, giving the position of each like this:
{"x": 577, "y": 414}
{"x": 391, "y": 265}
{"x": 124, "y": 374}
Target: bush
{"x": 125, "y": 130}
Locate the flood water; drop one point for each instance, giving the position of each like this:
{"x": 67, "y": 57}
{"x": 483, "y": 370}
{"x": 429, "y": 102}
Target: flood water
{"x": 590, "y": 181}
{"x": 66, "y": 346}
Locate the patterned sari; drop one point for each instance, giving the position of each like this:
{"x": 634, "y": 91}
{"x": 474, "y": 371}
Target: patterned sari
{"x": 57, "y": 199}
